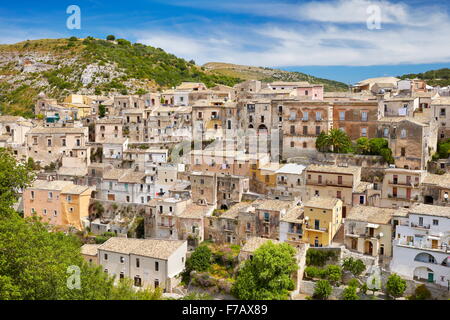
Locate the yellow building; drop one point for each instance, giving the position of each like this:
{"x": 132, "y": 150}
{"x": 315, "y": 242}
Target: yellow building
{"x": 82, "y": 103}
{"x": 59, "y": 203}
{"x": 264, "y": 176}
{"x": 323, "y": 217}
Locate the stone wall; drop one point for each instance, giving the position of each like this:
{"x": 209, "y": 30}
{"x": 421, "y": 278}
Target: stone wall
{"x": 307, "y": 287}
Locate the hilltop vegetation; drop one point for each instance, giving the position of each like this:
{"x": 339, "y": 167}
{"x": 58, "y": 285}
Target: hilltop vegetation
{"x": 440, "y": 77}
{"x": 270, "y": 75}
{"x": 59, "y": 67}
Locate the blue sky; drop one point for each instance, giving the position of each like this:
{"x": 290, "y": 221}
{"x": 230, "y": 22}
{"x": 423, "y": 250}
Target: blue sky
{"x": 327, "y": 38}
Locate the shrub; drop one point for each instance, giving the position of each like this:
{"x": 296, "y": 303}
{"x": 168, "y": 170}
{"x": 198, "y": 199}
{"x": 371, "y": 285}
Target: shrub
{"x": 353, "y": 283}
{"x": 312, "y": 272}
{"x": 319, "y": 258}
{"x": 322, "y": 290}
{"x": 421, "y": 293}
{"x": 356, "y": 267}
{"x": 395, "y": 286}
{"x": 349, "y": 293}
{"x": 333, "y": 274}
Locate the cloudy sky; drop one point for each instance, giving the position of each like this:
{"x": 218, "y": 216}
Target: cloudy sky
{"x": 346, "y": 40}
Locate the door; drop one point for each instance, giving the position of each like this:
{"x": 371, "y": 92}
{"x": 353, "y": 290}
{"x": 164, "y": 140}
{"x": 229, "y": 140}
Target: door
{"x": 408, "y": 193}
{"x": 111, "y": 197}
{"x": 430, "y": 277}
{"x": 434, "y": 244}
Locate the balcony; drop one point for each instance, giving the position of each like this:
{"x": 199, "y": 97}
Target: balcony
{"x": 421, "y": 245}
{"x": 166, "y": 225}
{"x": 406, "y": 184}
{"x": 308, "y": 228}
{"x": 418, "y": 226}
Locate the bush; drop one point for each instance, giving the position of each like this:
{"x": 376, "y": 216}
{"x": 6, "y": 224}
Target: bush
{"x": 395, "y": 286}
{"x": 312, "y": 272}
{"x": 200, "y": 260}
{"x": 333, "y": 274}
{"x": 322, "y": 290}
{"x": 349, "y": 293}
{"x": 319, "y": 258}
{"x": 353, "y": 283}
{"x": 364, "y": 288}
{"x": 356, "y": 267}
{"x": 421, "y": 293}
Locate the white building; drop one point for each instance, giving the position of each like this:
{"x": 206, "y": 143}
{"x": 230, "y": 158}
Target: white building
{"x": 126, "y": 185}
{"x": 421, "y": 248}
{"x": 149, "y": 263}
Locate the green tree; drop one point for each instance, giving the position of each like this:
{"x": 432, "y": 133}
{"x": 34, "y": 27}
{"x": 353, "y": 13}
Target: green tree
{"x": 334, "y": 274}
{"x": 101, "y": 111}
{"x": 363, "y": 146}
{"x": 268, "y": 275}
{"x": 110, "y": 38}
{"x": 322, "y": 290}
{"x": 339, "y": 141}
{"x": 356, "y": 267}
{"x": 395, "y": 286}
{"x": 349, "y": 293}
{"x": 14, "y": 176}
{"x": 421, "y": 293}
{"x": 322, "y": 142}
{"x": 200, "y": 260}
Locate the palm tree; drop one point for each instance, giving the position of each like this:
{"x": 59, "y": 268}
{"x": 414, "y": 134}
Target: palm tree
{"x": 338, "y": 141}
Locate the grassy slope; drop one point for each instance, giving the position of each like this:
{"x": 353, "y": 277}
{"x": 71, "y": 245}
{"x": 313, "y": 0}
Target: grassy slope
{"x": 440, "y": 77}
{"x": 268, "y": 74}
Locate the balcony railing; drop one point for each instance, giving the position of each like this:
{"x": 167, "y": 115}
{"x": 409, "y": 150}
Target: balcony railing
{"x": 423, "y": 226}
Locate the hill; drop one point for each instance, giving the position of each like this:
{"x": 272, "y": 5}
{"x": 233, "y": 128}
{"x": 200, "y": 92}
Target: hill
{"x": 59, "y": 67}
{"x": 440, "y": 77}
{"x": 269, "y": 75}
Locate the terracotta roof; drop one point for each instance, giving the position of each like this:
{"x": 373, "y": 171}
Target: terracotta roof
{"x": 195, "y": 211}
{"x": 58, "y": 130}
{"x": 323, "y": 203}
{"x": 371, "y": 214}
{"x": 90, "y": 249}
{"x": 442, "y": 181}
{"x": 153, "y": 248}
{"x": 294, "y": 215}
{"x": 430, "y": 210}
{"x": 334, "y": 169}
{"x": 272, "y": 205}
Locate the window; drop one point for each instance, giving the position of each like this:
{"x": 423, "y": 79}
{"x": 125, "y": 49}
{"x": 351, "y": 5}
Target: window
{"x": 121, "y": 276}
{"x": 105, "y": 256}
{"x": 156, "y": 283}
{"x": 420, "y": 221}
{"x": 137, "y": 281}
{"x": 45, "y": 212}
{"x": 319, "y": 179}
{"x": 339, "y": 179}
{"x": 339, "y": 194}
{"x": 386, "y": 132}
{"x": 403, "y": 133}
{"x": 361, "y": 200}
{"x": 403, "y": 152}
{"x": 156, "y": 266}
{"x": 138, "y": 263}
{"x": 69, "y": 198}
{"x": 318, "y": 116}
{"x": 63, "y": 142}
{"x": 122, "y": 259}
{"x": 32, "y": 195}
{"x": 49, "y": 142}
{"x": 364, "y": 116}
{"x": 318, "y": 130}
{"x": 305, "y": 145}
{"x": 266, "y": 216}
{"x": 363, "y": 132}
{"x": 292, "y": 130}
{"x": 435, "y": 222}
{"x": 305, "y": 116}
{"x": 50, "y": 195}
{"x": 342, "y": 115}
{"x": 292, "y": 144}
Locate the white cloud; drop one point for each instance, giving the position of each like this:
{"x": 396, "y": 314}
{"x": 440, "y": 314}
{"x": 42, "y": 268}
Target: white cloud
{"x": 335, "y": 34}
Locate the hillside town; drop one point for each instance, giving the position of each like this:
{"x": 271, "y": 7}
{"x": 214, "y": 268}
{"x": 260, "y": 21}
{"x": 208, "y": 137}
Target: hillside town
{"x": 146, "y": 180}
